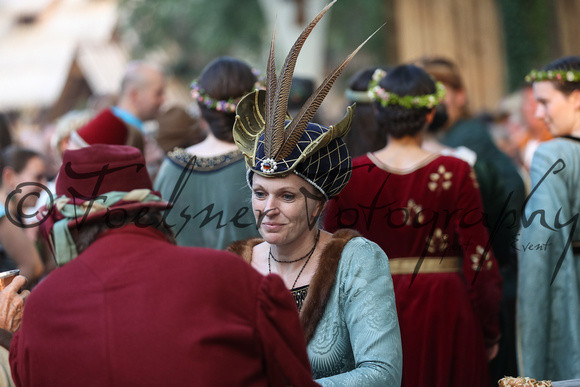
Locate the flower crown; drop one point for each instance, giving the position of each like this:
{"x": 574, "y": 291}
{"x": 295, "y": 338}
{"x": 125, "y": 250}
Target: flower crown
{"x": 553, "y": 75}
{"x": 227, "y": 106}
{"x": 385, "y": 98}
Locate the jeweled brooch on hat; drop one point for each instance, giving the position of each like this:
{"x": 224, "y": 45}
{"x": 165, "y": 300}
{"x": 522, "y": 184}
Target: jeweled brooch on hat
{"x": 269, "y": 166}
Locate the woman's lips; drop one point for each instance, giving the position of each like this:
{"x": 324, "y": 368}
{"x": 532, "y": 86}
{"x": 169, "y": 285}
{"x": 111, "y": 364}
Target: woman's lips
{"x": 272, "y": 227}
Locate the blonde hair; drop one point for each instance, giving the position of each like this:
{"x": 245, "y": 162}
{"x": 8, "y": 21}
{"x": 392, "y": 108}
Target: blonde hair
{"x": 67, "y": 124}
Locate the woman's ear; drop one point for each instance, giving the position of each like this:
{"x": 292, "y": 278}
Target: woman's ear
{"x": 320, "y": 207}
{"x": 8, "y": 177}
{"x": 323, "y": 207}
{"x": 315, "y": 204}
{"x": 430, "y": 116}
{"x": 575, "y": 97}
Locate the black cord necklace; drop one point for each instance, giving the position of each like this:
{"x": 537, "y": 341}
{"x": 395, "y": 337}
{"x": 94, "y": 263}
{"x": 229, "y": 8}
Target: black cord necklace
{"x": 572, "y": 138}
{"x": 307, "y": 256}
{"x": 294, "y": 260}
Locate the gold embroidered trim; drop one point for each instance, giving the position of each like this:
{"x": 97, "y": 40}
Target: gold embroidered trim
{"x": 204, "y": 164}
{"x": 429, "y": 265}
{"x": 402, "y": 171}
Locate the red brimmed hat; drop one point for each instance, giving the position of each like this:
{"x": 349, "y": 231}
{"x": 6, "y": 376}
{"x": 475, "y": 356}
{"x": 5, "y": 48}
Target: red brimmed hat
{"x": 93, "y": 184}
{"x": 105, "y": 128}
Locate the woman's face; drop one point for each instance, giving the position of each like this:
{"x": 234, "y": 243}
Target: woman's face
{"x": 286, "y": 208}
{"x": 455, "y": 101}
{"x": 33, "y": 172}
{"x": 555, "y": 108}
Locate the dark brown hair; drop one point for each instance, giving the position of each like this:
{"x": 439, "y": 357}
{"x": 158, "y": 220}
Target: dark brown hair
{"x": 364, "y": 135}
{"x": 88, "y": 233}
{"x": 399, "y": 121}
{"x": 564, "y": 64}
{"x": 443, "y": 70}
{"x": 222, "y": 79}
{"x": 16, "y": 158}
{"x": 5, "y": 133}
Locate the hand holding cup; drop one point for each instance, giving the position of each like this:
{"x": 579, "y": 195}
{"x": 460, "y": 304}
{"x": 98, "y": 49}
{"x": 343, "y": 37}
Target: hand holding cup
{"x": 11, "y": 301}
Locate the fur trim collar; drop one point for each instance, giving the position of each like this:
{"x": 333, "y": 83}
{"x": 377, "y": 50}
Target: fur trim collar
{"x": 322, "y": 281}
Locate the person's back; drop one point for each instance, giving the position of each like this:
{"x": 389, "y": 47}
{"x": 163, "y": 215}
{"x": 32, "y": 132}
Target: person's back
{"x": 206, "y": 182}
{"x": 420, "y": 208}
{"x": 474, "y": 134}
{"x": 130, "y": 308}
{"x": 136, "y": 310}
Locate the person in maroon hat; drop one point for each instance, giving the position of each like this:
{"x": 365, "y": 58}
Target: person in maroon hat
{"x": 141, "y": 95}
{"x": 128, "y": 307}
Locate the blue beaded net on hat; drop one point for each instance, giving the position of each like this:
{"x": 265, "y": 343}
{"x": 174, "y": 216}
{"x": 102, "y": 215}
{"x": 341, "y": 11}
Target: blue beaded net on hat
{"x": 328, "y": 168}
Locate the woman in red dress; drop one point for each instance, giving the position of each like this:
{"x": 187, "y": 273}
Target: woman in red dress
{"x": 424, "y": 210}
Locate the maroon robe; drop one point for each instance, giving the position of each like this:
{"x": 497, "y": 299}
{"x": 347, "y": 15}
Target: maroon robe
{"x": 447, "y": 318}
{"x": 135, "y": 310}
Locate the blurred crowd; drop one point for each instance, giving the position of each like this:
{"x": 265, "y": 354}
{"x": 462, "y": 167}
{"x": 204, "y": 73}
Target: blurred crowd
{"x": 451, "y": 305}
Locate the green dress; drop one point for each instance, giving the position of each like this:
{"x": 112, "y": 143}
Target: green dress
{"x": 210, "y": 196}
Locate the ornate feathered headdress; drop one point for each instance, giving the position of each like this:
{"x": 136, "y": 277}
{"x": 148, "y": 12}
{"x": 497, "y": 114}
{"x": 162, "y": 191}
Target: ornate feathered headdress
{"x": 275, "y": 144}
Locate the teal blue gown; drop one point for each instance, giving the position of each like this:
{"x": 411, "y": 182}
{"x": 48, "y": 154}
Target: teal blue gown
{"x": 548, "y": 309}
{"x": 349, "y": 315}
{"x": 357, "y": 341}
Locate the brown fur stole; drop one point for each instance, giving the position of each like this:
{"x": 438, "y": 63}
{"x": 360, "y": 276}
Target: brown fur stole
{"x": 322, "y": 281}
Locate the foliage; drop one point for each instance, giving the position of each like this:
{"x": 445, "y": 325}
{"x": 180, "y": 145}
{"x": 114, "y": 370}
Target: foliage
{"x": 194, "y": 31}
{"x": 352, "y": 22}
{"x": 529, "y": 36}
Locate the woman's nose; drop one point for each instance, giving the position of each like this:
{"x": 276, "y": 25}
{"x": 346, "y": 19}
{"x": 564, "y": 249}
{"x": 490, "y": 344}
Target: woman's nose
{"x": 271, "y": 207}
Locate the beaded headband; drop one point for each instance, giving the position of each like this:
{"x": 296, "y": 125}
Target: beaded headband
{"x": 366, "y": 96}
{"x": 227, "y": 106}
{"x": 553, "y": 75}
{"x": 359, "y": 96}
{"x": 385, "y": 98}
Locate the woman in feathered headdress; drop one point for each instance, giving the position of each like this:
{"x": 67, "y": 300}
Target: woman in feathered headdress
{"x": 341, "y": 282}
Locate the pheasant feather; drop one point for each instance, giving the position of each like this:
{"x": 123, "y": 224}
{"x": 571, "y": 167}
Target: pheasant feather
{"x": 272, "y": 137}
{"x": 285, "y": 81}
{"x": 295, "y": 129}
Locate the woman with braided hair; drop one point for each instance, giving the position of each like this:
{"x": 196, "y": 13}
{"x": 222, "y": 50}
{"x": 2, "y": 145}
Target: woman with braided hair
{"x": 548, "y": 299}
{"x": 206, "y": 181}
{"x": 424, "y": 210}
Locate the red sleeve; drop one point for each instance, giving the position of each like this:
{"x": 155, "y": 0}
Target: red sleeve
{"x": 13, "y": 357}
{"x": 480, "y": 267}
{"x": 282, "y": 336}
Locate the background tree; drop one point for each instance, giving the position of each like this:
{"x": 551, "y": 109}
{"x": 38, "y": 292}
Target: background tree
{"x": 190, "y": 33}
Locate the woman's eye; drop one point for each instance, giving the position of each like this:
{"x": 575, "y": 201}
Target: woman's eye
{"x": 259, "y": 194}
{"x": 289, "y": 197}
